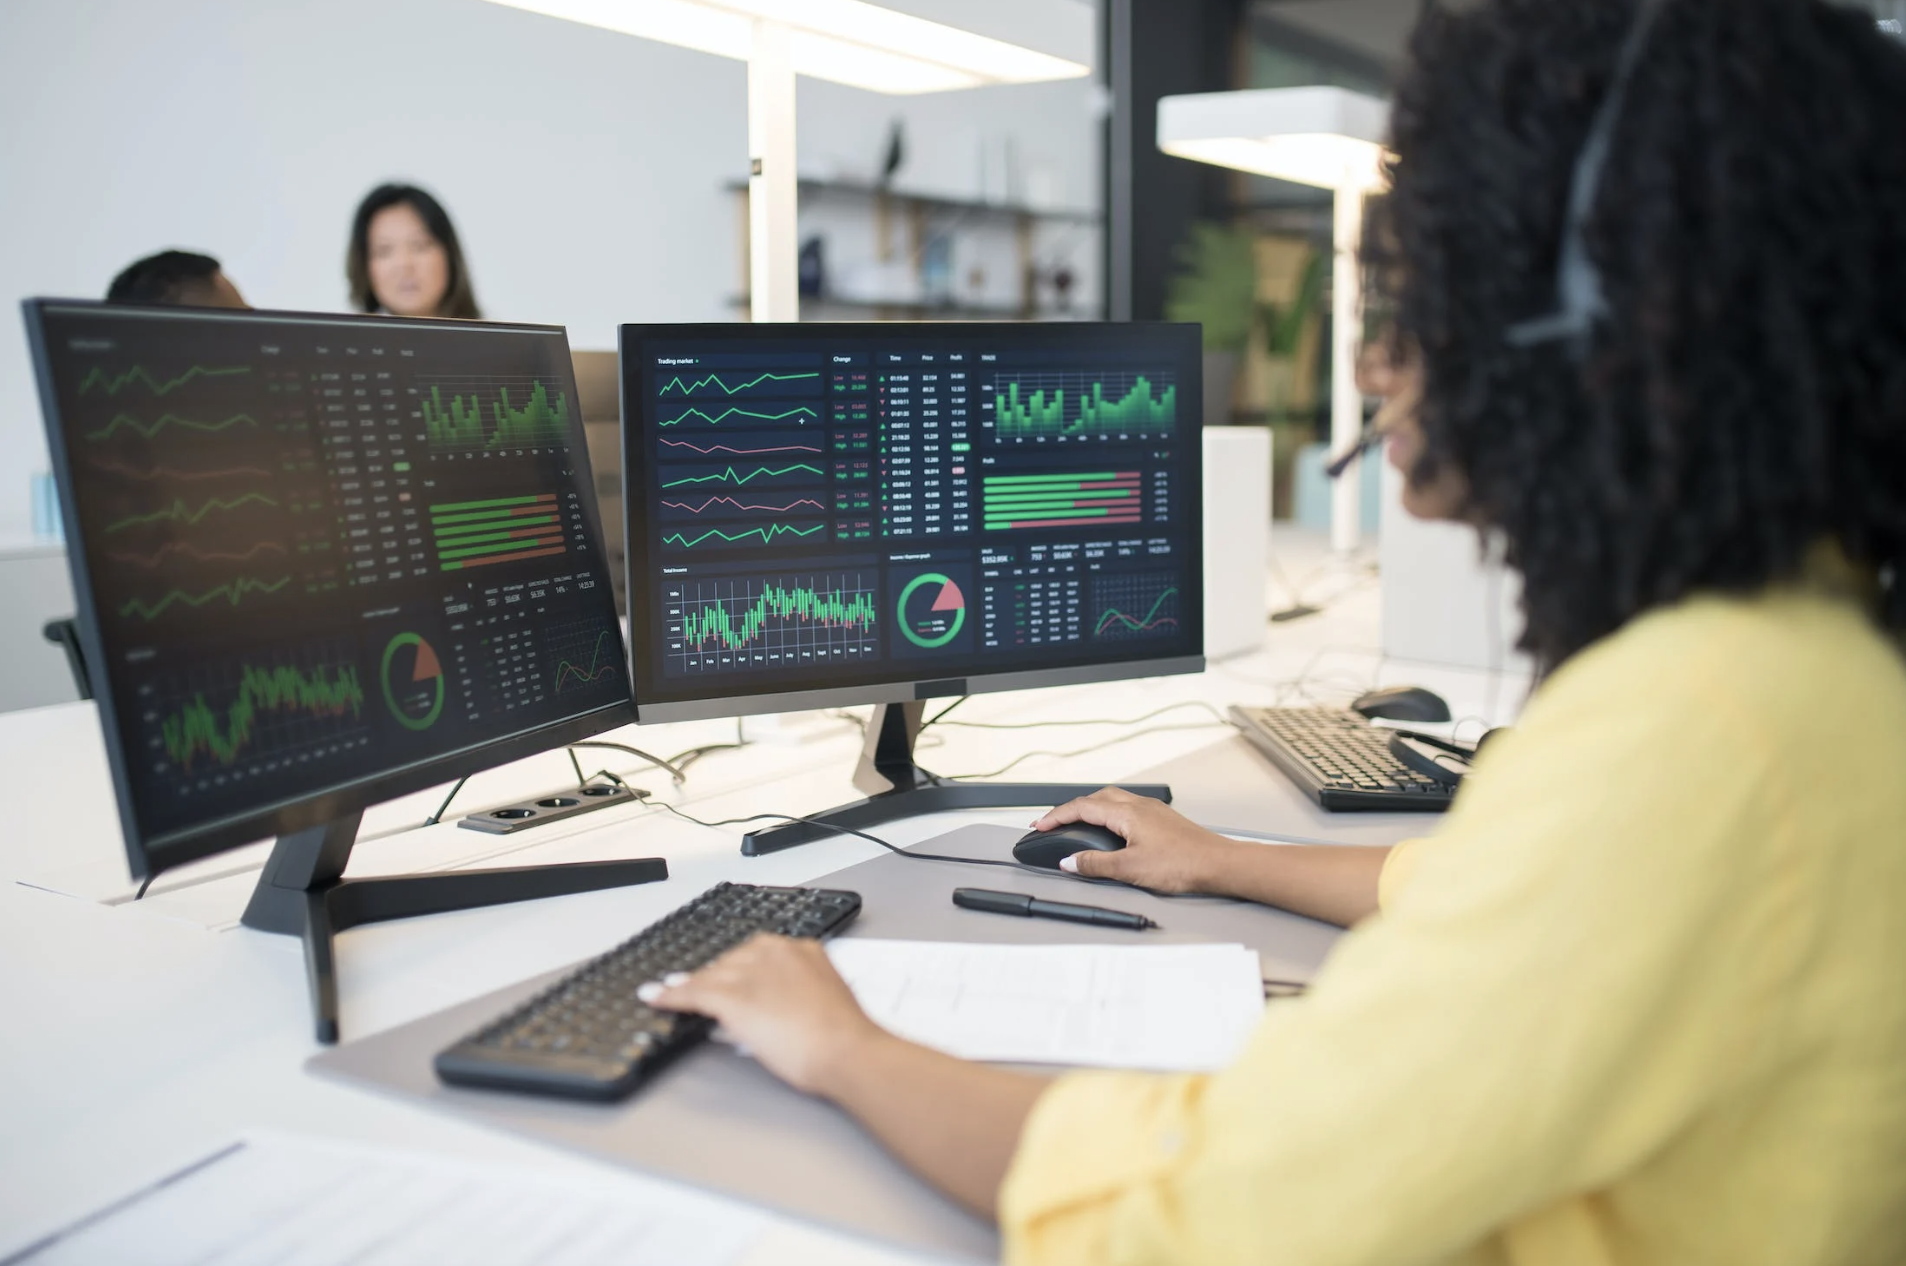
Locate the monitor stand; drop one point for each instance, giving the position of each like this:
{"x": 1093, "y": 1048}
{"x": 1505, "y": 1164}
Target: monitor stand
{"x": 898, "y": 788}
{"x": 303, "y": 893}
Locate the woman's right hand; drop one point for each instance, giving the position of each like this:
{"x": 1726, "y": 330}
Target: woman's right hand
{"x": 1163, "y": 851}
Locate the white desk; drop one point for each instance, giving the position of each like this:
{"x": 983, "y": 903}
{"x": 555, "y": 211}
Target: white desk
{"x": 136, "y": 1039}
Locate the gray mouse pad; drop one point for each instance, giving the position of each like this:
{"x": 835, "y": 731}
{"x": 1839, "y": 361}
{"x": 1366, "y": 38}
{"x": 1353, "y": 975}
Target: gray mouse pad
{"x": 717, "y": 1120}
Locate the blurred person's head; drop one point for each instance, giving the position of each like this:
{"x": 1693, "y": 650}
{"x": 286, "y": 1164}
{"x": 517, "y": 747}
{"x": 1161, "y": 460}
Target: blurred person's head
{"x": 404, "y": 257}
{"x": 176, "y": 277}
{"x": 1736, "y": 397}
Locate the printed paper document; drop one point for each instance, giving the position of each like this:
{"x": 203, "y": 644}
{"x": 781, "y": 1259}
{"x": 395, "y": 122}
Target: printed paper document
{"x": 293, "y": 1201}
{"x": 1166, "y": 1008}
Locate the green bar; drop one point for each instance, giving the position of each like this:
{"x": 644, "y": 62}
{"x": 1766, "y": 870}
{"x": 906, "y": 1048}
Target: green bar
{"x": 460, "y": 541}
{"x": 1046, "y": 479}
{"x": 462, "y": 531}
{"x": 1061, "y": 494}
{"x": 1041, "y": 503}
{"x": 1034, "y": 490}
{"x": 993, "y": 520}
{"x": 962, "y": 448}
{"x": 400, "y": 467}
{"x": 482, "y": 505}
{"x": 472, "y": 517}
{"x": 506, "y": 547}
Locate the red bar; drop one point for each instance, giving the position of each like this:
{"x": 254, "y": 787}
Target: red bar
{"x": 509, "y": 558}
{"x": 1044, "y": 523}
{"x": 1107, "y": 501}
{"x": 1116, "y": 483}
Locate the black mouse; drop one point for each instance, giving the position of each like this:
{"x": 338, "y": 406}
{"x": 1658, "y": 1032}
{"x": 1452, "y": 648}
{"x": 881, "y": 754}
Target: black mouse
{"x": 1044, "y": 848}
{"x": 1402, "y": 703}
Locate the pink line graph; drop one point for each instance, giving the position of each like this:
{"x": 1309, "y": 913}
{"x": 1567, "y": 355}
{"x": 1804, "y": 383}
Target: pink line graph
{"x": 734, "y": 504}
{"x": 741, "y": 452}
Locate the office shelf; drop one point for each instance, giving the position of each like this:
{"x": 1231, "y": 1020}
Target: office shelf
{"x": 933, "y": 202}
{"x": 903, "y": 223}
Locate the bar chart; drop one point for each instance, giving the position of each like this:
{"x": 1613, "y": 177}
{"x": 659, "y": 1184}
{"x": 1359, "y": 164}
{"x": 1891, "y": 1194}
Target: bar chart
{"x": 497, "y": 530}
{"x": 1085, "y": 499}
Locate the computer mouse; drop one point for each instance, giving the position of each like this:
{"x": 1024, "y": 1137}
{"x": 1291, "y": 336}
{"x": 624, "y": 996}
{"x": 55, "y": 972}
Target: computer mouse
{"x": 1402, "y": 703}
{"x": 1044, "y": 848}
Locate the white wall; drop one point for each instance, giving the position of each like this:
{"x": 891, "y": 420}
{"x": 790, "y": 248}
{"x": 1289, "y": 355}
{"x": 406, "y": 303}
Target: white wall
{"x": 586, "y": 171}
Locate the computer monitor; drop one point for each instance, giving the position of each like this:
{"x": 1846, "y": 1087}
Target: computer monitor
{"x": 827, "y": 515}
{"x": 321, "y": 562}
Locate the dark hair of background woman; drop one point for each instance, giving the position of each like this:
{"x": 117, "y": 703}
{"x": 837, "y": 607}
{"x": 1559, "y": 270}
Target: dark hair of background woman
{"x": 1745, "y": 396}
{"x": 459, "y": 296}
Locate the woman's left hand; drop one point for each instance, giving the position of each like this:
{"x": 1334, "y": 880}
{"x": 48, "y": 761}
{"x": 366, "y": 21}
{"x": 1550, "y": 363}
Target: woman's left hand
{"x": 783, "y": 1001}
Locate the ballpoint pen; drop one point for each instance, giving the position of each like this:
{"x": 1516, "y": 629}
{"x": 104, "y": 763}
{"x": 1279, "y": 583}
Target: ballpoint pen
{"x": 1033, "y": 908}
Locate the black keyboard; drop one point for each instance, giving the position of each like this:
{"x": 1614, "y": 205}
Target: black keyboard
{"x": 1340, "y": 760}
{"x": 589, "y": 1037}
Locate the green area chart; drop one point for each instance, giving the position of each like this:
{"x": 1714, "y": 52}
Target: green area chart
{"x": 1073, "y": 406}
{"x": 197, "y": 730}
{"x": 495, "y": 420}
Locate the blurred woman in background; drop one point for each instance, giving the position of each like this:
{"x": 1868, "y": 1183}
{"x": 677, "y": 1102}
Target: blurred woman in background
{"x": 404, "y": 257}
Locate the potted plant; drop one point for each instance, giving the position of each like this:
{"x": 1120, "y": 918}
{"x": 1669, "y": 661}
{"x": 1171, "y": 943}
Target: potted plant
{"x": 1216, "y": 286}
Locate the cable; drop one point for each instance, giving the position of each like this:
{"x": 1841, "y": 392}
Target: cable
{"x": 1035, "y": 725}
{"x": 937, "y": 717}
{"x": 657, "y": 761}
{"x": 682, "y": 760}
{"x": 437, "y": 817}
{"x": 1123, "y": 738}
{"x": 939, "y": 857}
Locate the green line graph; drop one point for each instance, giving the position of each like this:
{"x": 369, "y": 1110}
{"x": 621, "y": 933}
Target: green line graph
{"x": 719, "y": 418}
{"x": 462, "y": 423}
{"x": 233, "y": 592}
{"x": 685, "y": 388}
{"x": 196, "y": 729}
{"x": 146, "y": 430}
{"x": 180, "y": 512}
{"x": 594, "y": 672}
{"x": 714, "y": 622}
{"x": 113, "y": 385}
{"x": 733, "y": 476}
{"x": 1151, "y": 622}
{"x": 766, "y": 535}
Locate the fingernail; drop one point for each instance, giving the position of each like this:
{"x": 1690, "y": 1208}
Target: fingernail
{"x": 1069, "y": 864}
{"x": 675, "y": 979}
{"x": 649, "y": 992}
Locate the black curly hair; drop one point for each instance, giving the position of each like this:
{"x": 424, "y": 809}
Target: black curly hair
{"x": 1744, "y": 396}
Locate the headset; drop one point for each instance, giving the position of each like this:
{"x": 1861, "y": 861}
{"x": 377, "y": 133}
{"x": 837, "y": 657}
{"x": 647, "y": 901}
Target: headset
{"x": 1580, "y": 299}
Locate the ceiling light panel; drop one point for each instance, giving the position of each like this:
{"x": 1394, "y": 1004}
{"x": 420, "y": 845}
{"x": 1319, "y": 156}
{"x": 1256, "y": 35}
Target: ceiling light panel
{"x": 845, "y": 41}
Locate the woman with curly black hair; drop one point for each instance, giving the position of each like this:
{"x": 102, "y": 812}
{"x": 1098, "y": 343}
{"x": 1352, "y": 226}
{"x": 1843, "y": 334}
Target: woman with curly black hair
{"x": 1638, "y": 999}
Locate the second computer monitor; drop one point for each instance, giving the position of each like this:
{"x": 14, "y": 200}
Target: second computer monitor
{"x": 835, "y": 514}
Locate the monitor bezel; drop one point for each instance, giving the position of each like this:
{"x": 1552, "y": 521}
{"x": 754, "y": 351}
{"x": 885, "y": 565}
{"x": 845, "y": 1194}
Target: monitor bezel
{"x": 898, "y": 689}
{"x": 151, "y": 855}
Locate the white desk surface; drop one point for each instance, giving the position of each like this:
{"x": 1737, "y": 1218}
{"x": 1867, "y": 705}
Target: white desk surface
{"x": 140, "y": 1036}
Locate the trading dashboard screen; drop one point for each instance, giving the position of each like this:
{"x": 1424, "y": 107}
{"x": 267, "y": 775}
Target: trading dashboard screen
{"x": 315, "y": 553}
{"x": 825, "y": 508}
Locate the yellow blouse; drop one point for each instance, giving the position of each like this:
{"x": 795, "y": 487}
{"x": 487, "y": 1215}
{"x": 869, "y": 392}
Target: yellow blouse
{"x": 1641, "y": 999}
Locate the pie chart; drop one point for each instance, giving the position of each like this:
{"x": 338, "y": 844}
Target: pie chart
{"x": 932, "y": 611}
{"x": 413, "y": 681}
